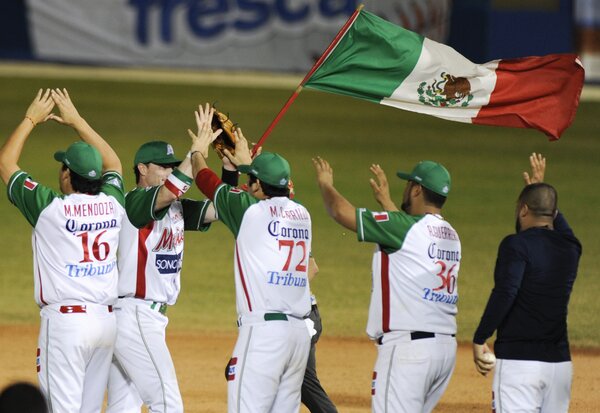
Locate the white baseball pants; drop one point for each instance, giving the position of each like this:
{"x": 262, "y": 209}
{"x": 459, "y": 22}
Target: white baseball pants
{"x": 267, "y": 367}
{"x": 75, "y": 348}
{"x": 524, "y": 386}
{"x": 411, "y": 376}
{"x": 143, "y": 371}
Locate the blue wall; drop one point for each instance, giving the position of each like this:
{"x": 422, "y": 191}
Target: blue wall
{"x": 14, "y": 38}
{"x": 483, "y": 32}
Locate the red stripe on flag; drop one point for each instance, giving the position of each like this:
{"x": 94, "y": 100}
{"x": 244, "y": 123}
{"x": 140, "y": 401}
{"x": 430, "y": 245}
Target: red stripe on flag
{"x": 237, "y": 257}
{"x": 385, "y": 291}
{"x": 535, "y": 92}
{"x": 142, "y": 258}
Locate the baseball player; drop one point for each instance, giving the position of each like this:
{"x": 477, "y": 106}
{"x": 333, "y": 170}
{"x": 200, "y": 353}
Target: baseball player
{"x": 272, "y": 245}
{"x": 150, "y": 261}
{"x": 533, "y": 279}
{"x": 75, "y": 240}
{"x": 313, "y": 396}
{"x": 412, "y": 315}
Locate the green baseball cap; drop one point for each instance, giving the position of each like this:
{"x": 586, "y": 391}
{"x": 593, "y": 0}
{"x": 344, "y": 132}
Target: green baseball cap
{"x": 431, "y": 175}
{"x": 157, "y": 152}
{"x": 270, "y": 168}
{"x": 83, "y": 159}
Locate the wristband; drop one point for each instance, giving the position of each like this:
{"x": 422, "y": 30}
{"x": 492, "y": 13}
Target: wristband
{"x": 178, "y": 183}
{"x": 30, "y": 120}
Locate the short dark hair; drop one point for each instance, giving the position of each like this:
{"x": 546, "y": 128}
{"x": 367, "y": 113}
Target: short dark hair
{"x": 433, "y": 198}
{"x": 540, "y": 198}
{"x": 136, "y": 171}
{"x": 270, "y": 190}
{"x": 83, "y": 185}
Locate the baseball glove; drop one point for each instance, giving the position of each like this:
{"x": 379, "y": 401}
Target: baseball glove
{"x": 227, "y": 139}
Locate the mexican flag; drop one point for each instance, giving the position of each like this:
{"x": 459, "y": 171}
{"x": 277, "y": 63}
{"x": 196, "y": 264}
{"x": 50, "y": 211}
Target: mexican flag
{"x": 376, "y": 60}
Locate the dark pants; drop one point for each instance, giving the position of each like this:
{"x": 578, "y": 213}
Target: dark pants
{"x": 314, "y": 396}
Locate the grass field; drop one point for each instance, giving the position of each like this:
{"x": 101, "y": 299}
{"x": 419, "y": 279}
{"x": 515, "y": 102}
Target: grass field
{"x": 485, "y": 163}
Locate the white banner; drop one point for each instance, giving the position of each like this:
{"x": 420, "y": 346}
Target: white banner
{"x": 212, "y": 34}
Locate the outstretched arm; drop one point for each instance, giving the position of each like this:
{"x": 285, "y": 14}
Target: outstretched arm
{"x": 70, "y": 117}
{"x": 338, "y": 207}
{"x": 10, "y": 153}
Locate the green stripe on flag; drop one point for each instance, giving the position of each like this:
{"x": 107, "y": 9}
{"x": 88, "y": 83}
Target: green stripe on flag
{"x": 371, "y": 60}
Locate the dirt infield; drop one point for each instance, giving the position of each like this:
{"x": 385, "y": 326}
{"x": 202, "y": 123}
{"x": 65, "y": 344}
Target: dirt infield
{"x": 344, "y": 366}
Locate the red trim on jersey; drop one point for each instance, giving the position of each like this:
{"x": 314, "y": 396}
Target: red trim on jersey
{"x": 385, "y": 292}
{"x": 173, "y": 189}
{"x": 208, "y": 182}
{"x": 237, "y": 257}
{"x": 142, "y": 258}
{"x": 41, "y": 289}
{"x": 40, "y": 279}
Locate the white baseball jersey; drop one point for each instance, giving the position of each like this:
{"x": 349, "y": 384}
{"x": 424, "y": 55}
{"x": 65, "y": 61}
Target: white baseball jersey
{"x": 415, "y": 272}
{"x": 151, "y": 253}
{"x": 74, "y": 240}
{"x": 273, "y": 242}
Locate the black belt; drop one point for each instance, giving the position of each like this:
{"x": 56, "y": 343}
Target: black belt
{"x": 418, "y": 335}
{"x": 415, "y": 335}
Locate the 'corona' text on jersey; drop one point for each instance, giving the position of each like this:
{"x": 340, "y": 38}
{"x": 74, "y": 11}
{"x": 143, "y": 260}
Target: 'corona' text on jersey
{"x": 436, "y": 253}
{"x": 277, "y": 230}
{"x": 73, "y": 225}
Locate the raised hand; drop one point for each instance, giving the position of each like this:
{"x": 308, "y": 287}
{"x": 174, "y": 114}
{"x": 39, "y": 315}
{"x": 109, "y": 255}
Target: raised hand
{"x": 205, "y": 136}
{"x": 538, "y": 169}
{"x": 68, "y": 113}
{"x": 381, "y": 189}
{"x": 324, "y": 171}
{"x": 39, "y": 110}
{"x": 243, "y": 155}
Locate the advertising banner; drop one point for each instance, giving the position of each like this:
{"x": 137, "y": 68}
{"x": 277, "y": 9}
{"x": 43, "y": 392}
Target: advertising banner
{"x": 285, "y": 35}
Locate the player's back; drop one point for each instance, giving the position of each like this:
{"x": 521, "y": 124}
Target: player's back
{"x": 271, "y": 261}
{"x": 75, "y": 243}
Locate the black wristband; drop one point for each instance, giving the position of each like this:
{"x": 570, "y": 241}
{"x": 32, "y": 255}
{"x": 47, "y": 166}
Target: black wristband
{"x": 229, "y": 177}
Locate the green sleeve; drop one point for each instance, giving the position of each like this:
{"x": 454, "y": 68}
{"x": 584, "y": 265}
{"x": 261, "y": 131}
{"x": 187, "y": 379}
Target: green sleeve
{"x": 28, "y": 196}
{"x": 194, "y": 213}
{"x": 139, "y": 204}
{"x": 387, "y": 228}
{"x": 231, "y": 203}
{"x": 112, "y": 185}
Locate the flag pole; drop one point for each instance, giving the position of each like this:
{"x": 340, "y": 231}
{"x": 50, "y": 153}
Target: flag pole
{"x": 314, "y": 68}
